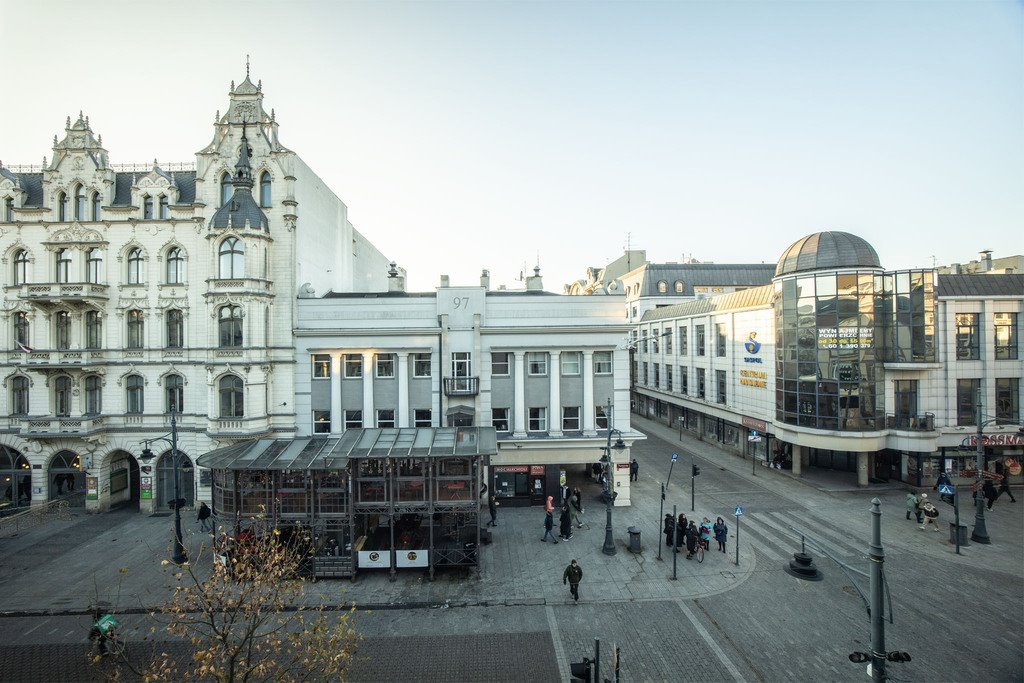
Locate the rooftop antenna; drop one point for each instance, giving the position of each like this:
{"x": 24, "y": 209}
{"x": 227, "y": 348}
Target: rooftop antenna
{"x": 247, "y": 65}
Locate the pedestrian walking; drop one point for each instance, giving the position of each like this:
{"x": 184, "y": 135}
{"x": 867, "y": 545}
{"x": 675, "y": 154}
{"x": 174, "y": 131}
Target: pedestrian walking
{"x": 1004, "y": 487}
{"x": 549, "y": 506}
{"x": 572, "y": 575}
{"x": 988, "y": 490}
{"x": 549, "y": 524}
{"x": 705, "y": 533}
{"x": 565, "y": 523}
{"x": 692, "y": 535}
{"x": 669, "y": 529}
{"x": 913, "y": 506}
{"x": 203, "y": 517}
{"x": 634, "y": 470}
{"x": 681, "y": 530}
{"x": 595, "y": 469}
{"x": 576, "y": 502}
{"x": 565, "y": 492}
{"x": 931, "y": 513}
{"x": 721, "y": 533}
{"x": 492, "y": 507}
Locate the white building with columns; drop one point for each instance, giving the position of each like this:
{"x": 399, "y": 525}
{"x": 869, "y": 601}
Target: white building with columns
{"x": 541, "y": 368}
{"x": 134, "y": 290}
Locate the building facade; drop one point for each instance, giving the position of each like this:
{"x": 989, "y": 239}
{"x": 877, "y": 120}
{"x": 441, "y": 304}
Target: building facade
{"x": 548, "y": 372}
{"x": 133, "y": 291}
{"x": 839, "y": 364}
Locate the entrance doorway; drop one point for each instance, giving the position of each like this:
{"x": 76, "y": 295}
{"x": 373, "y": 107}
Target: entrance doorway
{"x": 15, "y": 481}
{"x": 460, "y": 416}
{"x": 124, "y": 481}
{"x": 165, "y": 480}
{"x": 67, "y": 480}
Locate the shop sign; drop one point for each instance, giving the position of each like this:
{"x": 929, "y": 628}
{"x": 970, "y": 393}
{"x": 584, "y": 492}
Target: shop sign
{"x": 846, "y": 337}
{"x": 536, "y": 469}
{"x": 411, "y": 558}
{"x": 622, "y": 466}
{"x": 752, "y": 347}
{"x": 146, "y": 492}
{"x": 92, "y": 488}
{"x": 998, "y": 440}
{"x": 511, "y": 469}
{"x": 754, "y": 378}
{"x": 751, "y": 423}
{"x": 375, "y": 559}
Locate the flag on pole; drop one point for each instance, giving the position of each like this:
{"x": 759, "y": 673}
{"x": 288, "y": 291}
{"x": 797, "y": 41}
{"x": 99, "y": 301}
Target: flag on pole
{"x": 24, "y": 347}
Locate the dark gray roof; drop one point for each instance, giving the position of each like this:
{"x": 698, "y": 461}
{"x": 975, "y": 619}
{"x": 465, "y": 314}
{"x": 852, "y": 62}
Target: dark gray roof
{"x": 123, "y": 188}
{"x": 827, "y": 251}
{"x": 186, "y": 182}
{"x": 32, "y": 183}
{"x": 703, "y": 274}
{"x": 748, "y": 298}
{"x": 980, "y": 285}
{"x": 240, "y": 210}
{"x": 333, "y": 453}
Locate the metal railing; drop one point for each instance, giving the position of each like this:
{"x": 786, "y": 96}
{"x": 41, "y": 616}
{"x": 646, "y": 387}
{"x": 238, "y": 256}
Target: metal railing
{"x": 59, "y": 509}
{"x": 461, "y": 386}
{"x": 911, "y": 423}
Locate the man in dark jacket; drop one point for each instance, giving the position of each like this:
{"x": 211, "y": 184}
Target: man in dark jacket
{"x": 670, "y": 528}
{"x": 573, "y": 574}
{"x": 492, "y": 507}
{"x": 203, "y": 516}
{"x": 691, "y": 540}
{"x": 565, "y": 523}
{"x": 634, "y": 470}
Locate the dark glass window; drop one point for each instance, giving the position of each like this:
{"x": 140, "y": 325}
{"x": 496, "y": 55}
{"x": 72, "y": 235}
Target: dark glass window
{"x": 95, "y": 206}
{"x": 721, "y": 387}
{"x": 1006, "y": 336}
{"x": 9, "y": 210}
{"x": 80, "y": 206}
{"x": 20, "y": 267}
{"x": 19, "y": 396}
{"x": 684, "y": 383}
{"x": 906, "y": 402}
{"x": 175, "y": 329}
{"x": 62, "y": 396}
{"x": 93, "y": 265}
{"x": 701, "y": 393}
{"x": 62, "y": 330}
{"x": 93, "y": 395}
{"x": 134, "y": 387}
{"x": 321, "y": 365}
{"x": 135, "y": 263}
{"x": 63, "y": 263}
{"x": 422, "y": 417}
{"x": 353, "y": 419}
{"x": 321, "y": 422}
{"x": 93, "y": 330}
{"x": 175, "y": 266}
{"x": 174, "y": 393}
{"x": 700, "y": 340}
{"x": 147, "y": 207}
{"x": 720, "y": 337}
{"x": 265, "y": 189}
{"x": 164, "y": 207}
{"x": 966, "y": 396}
{"x": 683, "y": 340}
{"x": 968, "y": 336}
{"x": 232, "y": 400}
{"x": 499, "y": 419}
{"x": 136, "y": 329}
{"x": 230, "y": 326}
{"x": 353, "y": 366}
{"x": 21, "y": 330}
{"x": 62, "y": 206}
{"x": 225, "y": 189}
{"x": 1008, "y": 399}
{"x": 232, "y": 258}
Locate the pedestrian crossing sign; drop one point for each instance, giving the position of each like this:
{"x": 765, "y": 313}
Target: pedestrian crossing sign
{"x": 738, "y": 511}
{"x": 675, "y": 457}
{"x": 946, "y": 489}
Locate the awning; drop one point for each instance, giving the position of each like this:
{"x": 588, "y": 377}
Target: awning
{"x": 334, "y": 452}
{"x": 460, "y": 410}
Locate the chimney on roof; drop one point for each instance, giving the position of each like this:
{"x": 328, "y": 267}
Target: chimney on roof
{"x": 444, "y": 281}
{"x": 985, "y": 260}
{"x": 534, "y": 283}
{"x": 485, "y": 279}
{"x": 396, "y": 279}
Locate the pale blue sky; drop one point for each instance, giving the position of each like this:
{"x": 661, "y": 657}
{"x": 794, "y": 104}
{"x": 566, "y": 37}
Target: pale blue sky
{"x": 477, "y": 135}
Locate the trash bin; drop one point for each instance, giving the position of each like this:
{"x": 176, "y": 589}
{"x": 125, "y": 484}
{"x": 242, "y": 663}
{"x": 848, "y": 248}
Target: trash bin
{"x": 634, "y": 540}
{"x": 963, "y": 533}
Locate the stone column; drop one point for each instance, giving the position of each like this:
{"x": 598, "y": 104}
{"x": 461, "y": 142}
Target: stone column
{"x": 369, "y": 415}
{"x": 588, "y": 394}
{"x": 337, "y": 419}
{"x": 519, "y": 394}
{"x": 862, "y": 469}
{"x": 403, "y": 389}
{"x": 554, "y": 394}
{"x": 798, "y": 458}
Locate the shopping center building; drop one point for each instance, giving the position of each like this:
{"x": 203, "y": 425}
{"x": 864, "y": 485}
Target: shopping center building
{"x": 839, "y": 364}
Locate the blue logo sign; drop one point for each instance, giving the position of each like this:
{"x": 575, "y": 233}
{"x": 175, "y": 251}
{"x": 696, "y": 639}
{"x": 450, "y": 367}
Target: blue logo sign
{"x": 738, "y": 511}
{"x": 752, "y": 345}
{"x": 946, "y": 489}
{"x": 675, "y": 457}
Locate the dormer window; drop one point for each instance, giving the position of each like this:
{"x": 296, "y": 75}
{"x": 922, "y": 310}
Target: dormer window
{"x": 662, "y": 287}
{"x": 225, "y": 189}
{"x": 95, "y": 206}
{"x": 164, "y": 208}
{"x": 9, "y": 210}
{"x": 147, "y": 207}
{"x": 80, "y": 214}
{"x": 62, "y": 206}
{"x": 265, "y": 189}
{"x": 679, "y": 286}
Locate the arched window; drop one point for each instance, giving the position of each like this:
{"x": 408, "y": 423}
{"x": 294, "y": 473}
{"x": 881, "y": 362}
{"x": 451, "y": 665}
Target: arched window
{"x": 175, "y": 329}
{"x": 93, "y": 330}
{"x": 265, "y": 189}
{"x": 135, "y": 269}
{"x": 174, "y": 392}
{"x": 231, "y": 396}
{"x": 63, "y": 264}
{"x": 147, "y": 207}
{"x": 80, "y": 214}
{"x": 93, "y": 265}
{"x": 62, "y": 396}
{"x": 21, "y": 331}
{"x": 679, "y": 286}
{"x": 232, "y": 258}
{"x": 20, "y": 267}
{"x": 136, "y": 329}
{"x": 133, "y": 388}
{"x": 9, "y": 210}
{"x": 175, "y": 267}
{"x": 93, "y": 395}
{"x": 225, "y": 189}
{"x": 19, "y": 396}
{"x": 62, "y": 206}
{"x": 62, "y": 330}
{"x": 164, "y": 207}
{"x": 95, "y": 206}
{"x": 229, "y": 326}
{"x": 662, "y": 286}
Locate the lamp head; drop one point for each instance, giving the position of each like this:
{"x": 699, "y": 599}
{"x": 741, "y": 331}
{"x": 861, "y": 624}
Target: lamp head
{"x": 619, "y": 445}
{"x": 146, "y": 455}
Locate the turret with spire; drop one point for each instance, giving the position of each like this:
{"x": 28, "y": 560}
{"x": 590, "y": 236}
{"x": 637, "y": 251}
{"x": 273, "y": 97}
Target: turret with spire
{"x": 241, "y": 211}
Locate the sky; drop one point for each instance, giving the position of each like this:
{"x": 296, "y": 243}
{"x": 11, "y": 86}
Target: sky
{"x": 504, "y": 135}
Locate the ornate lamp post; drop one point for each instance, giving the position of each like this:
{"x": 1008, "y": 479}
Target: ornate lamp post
{"x": 179, "y": 556}
{"x": 609, "y": 494}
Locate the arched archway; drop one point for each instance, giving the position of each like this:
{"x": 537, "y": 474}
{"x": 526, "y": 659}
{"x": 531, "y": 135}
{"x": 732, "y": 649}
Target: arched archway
{"x": 15, "y": 480}
{"x": 67, "y": 479}
{"x": 124, "y": 480}
{"x": 165, "y": 480}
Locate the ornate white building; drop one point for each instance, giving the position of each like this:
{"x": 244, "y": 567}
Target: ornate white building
{"x": 132, "y": 291}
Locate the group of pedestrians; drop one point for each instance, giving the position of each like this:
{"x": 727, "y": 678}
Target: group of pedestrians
{"x": 570, "y": 515}
{"x": 923, "y": 510}
{"x": 689, "y": 533}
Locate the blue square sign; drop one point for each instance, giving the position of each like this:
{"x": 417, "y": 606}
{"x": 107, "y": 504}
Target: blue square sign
{"x": 738, "y": 511}
{"x": 946, "y": 489}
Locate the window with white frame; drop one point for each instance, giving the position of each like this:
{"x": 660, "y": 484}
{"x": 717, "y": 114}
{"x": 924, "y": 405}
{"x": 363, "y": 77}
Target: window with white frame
{"x": 175, "y": 266}
{"x": 134, "y": 388}
{"x": 353, "y": 419}
{"x": 94, "y": 265}
{"x": 165, "y": 207}
{"x": 353, "y": 366}
{"x": 63, "y": 264}
{"x": 147, "y": 207}
{"x": 499, "y": 420}
{"x": 684, "y": 376}
{"x": 601, "y": 417}
{"x": 602, "y": 362}
{"x": 385, "y": 365}
{"x": 175, "y": 321}
{"x": 570, "y": 418}
{"x": 421, "y": 365}
{"x": 538, "y": 420}
{"x": 62, "y": 330}
{"x": 321, "y": 365}
{"x": 321, "y": 422}
{"x": 668, "y": 378}
{"x": 20, "y": 267}
{"x": 93, "y": 330}
{"x": 422, "y": 417}
{"x": 537, "y": 363}
{"x": 684, "y": 338}
{"x": 136, "y": 270}
{"x": 657, "y": 375}
{"x": 571, "y": 362}
{"x": 500, "y": 364}
{"x": 385, "y": 418}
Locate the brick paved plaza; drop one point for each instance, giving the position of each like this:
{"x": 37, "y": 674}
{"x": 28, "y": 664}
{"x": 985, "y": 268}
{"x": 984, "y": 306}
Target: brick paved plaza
{"x": 960, "y": 617}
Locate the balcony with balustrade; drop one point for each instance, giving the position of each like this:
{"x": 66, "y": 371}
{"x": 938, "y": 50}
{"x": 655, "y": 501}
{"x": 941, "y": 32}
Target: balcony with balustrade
{"x": 49, "y": 294}
{"x": 461, "y": 386}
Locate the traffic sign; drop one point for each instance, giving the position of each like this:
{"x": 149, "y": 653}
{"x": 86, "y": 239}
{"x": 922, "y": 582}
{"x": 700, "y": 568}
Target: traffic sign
{"x": 675, "y": 457}
{"x": 738, "y": 511}
{"x": 946, "y": 489}
{"x": 753, "y": 438}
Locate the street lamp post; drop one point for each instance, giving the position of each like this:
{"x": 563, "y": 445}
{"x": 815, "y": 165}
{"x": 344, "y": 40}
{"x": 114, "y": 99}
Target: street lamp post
{"x": 609, "y": 495}
{"x": 179, "y": 556}
{"x": 980, "y": 533}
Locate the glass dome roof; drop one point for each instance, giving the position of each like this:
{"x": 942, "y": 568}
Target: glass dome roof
{"x": 827, "y": 251}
